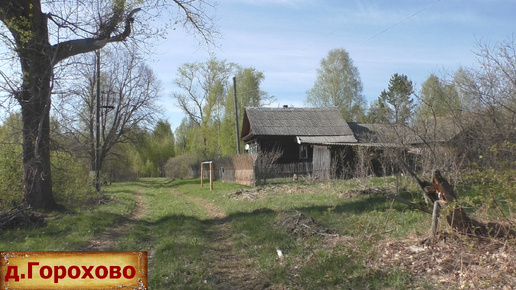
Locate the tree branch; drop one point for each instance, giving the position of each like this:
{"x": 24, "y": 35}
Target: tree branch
{"x": 70, "y": 48}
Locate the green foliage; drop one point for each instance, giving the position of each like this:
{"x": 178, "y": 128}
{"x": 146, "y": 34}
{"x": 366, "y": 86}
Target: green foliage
{"x": 207, "y": 98}
{"x": 204, "y": 87}
{"x": 160, "y": 147}
{"x": 69, "y": 179}
{"x": 438, "y": 99}
{"x": 395, "y": 105}
{"x": 147, "y": 155}
{"x": 490, "y": 185}
{"x": 11, "y": 175}
{"x": 123, "y": 164}
{"x": 490, "y": 192}
{"x": 11, "y": 166}
{"x": 179, "y": 166}
{"x": 248, "y": 82}
{"x": 338, "y": 84}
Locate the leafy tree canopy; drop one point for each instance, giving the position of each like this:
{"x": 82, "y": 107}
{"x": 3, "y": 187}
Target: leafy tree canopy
{"x": 338, "y": 84}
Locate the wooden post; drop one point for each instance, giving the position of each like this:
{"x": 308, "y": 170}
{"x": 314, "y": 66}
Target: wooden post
{"x": 202, "y": 174}
{"x": 211, "y": 173}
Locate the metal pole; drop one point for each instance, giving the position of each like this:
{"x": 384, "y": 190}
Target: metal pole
{"x": 97, "y": 147}
{"x": 236, "y": 116}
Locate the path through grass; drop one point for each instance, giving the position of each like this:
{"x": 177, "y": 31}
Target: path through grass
{"x": 299, "y": 236}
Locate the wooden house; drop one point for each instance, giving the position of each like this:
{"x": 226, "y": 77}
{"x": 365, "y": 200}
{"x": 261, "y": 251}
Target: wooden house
{"x": 302, "y": 135}
{"x": 322, "y": 142}
{"x": 432, "y": 143}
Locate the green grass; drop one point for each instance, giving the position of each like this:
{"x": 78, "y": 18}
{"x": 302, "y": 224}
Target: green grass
{"x": 177, "y": 232}
{"x": 71, "y": 229}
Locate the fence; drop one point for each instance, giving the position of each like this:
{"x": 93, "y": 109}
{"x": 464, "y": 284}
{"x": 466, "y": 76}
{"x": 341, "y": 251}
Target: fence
{"x": 278, "y": 173}
{"x": 233, "y": 169}
{"x": 242, "y": 169}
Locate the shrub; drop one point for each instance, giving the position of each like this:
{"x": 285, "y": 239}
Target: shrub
{"x": 181, "y": 166}
{"x": 69, "y": 179}
{"x": 11, "y": 175}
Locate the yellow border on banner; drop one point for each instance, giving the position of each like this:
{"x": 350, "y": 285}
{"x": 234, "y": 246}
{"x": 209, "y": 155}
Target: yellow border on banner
{"x": 113, "y": 269}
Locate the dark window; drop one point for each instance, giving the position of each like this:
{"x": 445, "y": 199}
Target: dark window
{"x": 303, "y": 152}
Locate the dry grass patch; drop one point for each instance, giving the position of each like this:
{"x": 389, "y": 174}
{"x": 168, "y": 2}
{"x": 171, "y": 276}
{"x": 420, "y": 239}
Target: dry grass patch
{"x": 452, "y": 261}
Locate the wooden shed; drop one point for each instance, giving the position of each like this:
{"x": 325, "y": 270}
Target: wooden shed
{"x": 302, "y": 135}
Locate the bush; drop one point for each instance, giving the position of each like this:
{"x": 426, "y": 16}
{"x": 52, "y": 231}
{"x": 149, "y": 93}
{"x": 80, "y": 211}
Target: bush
{"x": 491, "y": 183}
{"x": 11, "y": 176}
{"x": 181, "y": 166}
{"x": 69, "y": 179}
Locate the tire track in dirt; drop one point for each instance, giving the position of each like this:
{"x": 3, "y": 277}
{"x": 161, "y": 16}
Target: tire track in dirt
{"x": 229, "y": 268}
{"x": 108, "y": 238}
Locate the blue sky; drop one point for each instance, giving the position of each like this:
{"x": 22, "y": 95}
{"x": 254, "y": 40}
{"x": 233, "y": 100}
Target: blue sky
{"x": 286, "y": 40}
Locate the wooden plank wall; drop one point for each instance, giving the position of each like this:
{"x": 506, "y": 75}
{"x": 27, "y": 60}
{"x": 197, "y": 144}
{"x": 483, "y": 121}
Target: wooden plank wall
{"x": 322, "y": 162}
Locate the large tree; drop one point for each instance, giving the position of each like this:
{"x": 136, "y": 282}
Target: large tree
{"x": 249, "y": 94}
{"x": 438, "y": 99}
{"x": 129, "y": 91}
{"x": 489, "y": 94}
{"x": 203, "y": 87}
{"x": 394, "y": 105}
{"x": 43, "y": 34}
{"x": 203, "y": 90}
{"x": 338, "y": 84}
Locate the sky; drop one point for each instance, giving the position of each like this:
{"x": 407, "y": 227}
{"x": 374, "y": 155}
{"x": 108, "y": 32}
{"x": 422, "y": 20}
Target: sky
{"x": 286, "y": 40}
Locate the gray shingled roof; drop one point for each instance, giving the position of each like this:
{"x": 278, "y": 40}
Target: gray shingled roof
{"x": 442, "y": 129}
{"x": 296, "y": 122}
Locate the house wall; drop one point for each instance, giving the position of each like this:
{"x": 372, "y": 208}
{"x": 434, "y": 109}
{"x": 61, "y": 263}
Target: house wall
{"x": 289, "y": 148}
{"x": 321, "y": 162}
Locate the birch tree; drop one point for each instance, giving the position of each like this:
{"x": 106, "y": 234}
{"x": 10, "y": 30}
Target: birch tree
{"x": 338, "y": 84}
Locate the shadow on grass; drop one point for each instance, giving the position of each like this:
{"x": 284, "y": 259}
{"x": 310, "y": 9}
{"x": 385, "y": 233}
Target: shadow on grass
{"x": 179, "y": 182}
{"x": 67, "y": 232}
{"x": 159, "y": 182}
{"x": 182, "y": 251}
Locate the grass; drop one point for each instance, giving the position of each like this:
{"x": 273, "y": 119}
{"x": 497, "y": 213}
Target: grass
{"x": 197, "y": 238}
{"x": 71, "y": 229}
